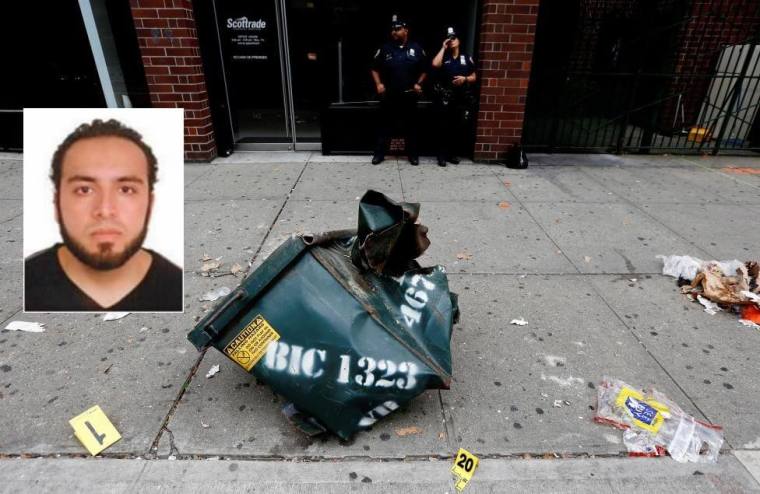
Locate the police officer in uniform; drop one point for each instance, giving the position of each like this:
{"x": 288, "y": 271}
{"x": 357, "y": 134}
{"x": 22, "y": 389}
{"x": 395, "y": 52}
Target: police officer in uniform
{"x": 398, "y": 70}
{"x": 453, "y": 96}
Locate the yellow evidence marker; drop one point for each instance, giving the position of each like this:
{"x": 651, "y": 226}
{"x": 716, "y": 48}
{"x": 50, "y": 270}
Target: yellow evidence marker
{"x": 94, "y": 430}
{"x": 464, "y": 467}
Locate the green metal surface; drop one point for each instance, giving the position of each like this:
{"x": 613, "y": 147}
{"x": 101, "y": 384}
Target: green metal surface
{"x": 354, "y": 345}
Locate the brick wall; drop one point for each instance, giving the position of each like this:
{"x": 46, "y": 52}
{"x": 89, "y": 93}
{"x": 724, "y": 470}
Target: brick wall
{"x": 169, "y": 48}
{"x": 506, "y": 49}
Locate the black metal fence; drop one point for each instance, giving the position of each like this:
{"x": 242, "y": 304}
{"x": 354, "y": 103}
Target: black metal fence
{"x": 638, "y": 76}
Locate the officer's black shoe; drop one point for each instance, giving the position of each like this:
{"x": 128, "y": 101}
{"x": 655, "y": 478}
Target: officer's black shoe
{"x": 414, "y": 160}
{"x": 441, "y": 162}
{"x": 453, "y": 160}
{"x": 377, "y": 159}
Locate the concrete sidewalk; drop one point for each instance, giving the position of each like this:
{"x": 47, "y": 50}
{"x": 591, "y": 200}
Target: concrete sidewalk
{"x": 568, "y": 244}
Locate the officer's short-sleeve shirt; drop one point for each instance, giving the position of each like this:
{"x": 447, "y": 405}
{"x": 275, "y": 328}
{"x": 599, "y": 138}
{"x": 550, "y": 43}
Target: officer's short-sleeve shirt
{"x": 400, "y": 67}
{"x": 451, "y": 67}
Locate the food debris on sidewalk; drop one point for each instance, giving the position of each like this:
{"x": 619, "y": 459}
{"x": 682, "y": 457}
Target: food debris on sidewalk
{"x": 653, "y": 421}
{"x": 731, "y": 286}
{"x": 519, "y": 322}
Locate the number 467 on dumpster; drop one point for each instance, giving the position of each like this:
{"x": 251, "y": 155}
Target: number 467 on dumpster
{"x": 464, "y": 467}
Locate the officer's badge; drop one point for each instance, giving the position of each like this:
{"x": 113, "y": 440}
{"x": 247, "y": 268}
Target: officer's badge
{"x": 411, "y": 52}
{"x": 462, "y": 60}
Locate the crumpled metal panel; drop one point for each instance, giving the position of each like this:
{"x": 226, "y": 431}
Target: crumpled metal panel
{"x": 354, "y": 343}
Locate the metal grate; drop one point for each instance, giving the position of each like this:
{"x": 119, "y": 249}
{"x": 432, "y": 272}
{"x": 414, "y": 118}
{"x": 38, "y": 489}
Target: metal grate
{"x": 644, "y": 76}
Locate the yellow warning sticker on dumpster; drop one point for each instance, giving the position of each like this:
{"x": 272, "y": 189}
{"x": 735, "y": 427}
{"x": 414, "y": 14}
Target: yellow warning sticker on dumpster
{"x": 251, "y": 344}
{"x": 94, "y": 430}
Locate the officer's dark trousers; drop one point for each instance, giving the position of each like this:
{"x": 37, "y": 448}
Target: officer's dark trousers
{"x": 397, "y": 114}
{"x": 451, "y": 128}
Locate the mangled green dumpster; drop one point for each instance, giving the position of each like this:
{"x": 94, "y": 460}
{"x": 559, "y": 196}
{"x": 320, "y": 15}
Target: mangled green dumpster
{"x": 345, "y": 325}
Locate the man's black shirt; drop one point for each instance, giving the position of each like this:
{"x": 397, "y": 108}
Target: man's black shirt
{"x": 48, "y": 288}
{"x": 400, "y": 66}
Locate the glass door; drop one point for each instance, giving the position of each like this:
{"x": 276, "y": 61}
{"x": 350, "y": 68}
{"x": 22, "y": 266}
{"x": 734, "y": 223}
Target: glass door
{"x": 264, "y": 47}
{"x": 252, "y": 52}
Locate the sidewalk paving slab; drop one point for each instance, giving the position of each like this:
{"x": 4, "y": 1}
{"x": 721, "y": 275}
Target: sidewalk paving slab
{"x": 555, "y": 184}
{"x": 331, "y": 181}
{"x": 673, "y": 185}
{"x": 245, "y": 181}
{"x": 463, "y": 182}
{"x": 618, "y": 238}
{"x": 507, "y": 377}
{"x": 712, "y": 358}
{"x": 498, "y": 239}
{"x": 245, "y": 418}
{"x": 493, "y": 475}
{"x": 723, "y": 231}
{"x": 264, "y": 157}
{"x": 573, "y": 159}
{"x": 10, "y": 179}
{"x": 231, "y": 228}
{"x": 80, "y": 361}
{"x": 751, "y": 461}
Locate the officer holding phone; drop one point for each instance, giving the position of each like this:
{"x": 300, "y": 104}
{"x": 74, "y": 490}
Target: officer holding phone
{"x": 398, "y": 70}
{"x": 453, "y": 96}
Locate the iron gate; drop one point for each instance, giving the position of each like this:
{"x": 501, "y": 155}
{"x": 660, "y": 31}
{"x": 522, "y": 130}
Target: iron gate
{"x": 638, "y": 76}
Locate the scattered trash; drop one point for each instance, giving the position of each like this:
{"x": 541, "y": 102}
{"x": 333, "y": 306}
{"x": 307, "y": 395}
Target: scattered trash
{"x": 29, "y": 327}
{"x": 560, "y": 403}
{"x": 407, "y": 431}
{"x": 752, "y": 296}
{"x": 236, "y": 268}
{"x": 204, "y": 425}
{"x": 718, "y": 285}
{"x": 504, "y": 205}
{"x": 113, "y": 316}
{"x": 464, "y": 256}
{"x": 214, "y": 370}
{"x": 587, "y": 259}
{"x": 710, "y": 307}
{"x": 639, "y": 444}
{"x": 345, "y": 325}
{"x": 751, "y": 313}
{"x": 143, "y": 329}
{"x": 212, "y": 295}
{"x": 659, "y": 420}
{"x": 210, "y": 264}
{"x": 685, "y": 267}
{"x": 749, "y": 324}
{"x": 519, "y": 322}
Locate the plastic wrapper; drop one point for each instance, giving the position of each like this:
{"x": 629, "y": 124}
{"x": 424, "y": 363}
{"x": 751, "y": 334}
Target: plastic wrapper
{"x": 345, "y": 325}
{"x": 655, "y": 420}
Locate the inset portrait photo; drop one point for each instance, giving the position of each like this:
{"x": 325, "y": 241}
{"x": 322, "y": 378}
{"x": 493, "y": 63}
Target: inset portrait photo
{"x": 103, "y": 210}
